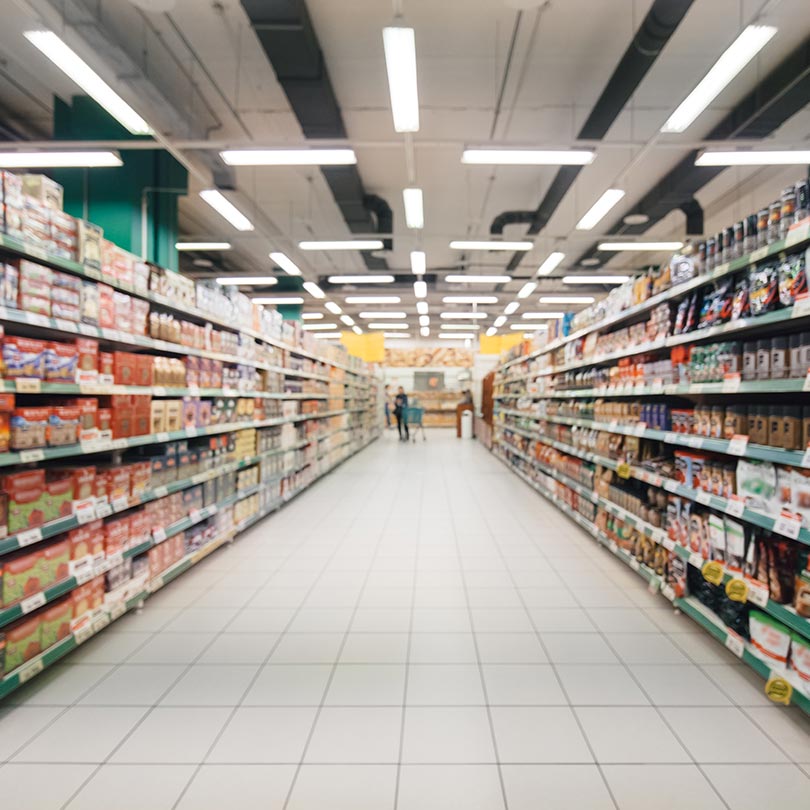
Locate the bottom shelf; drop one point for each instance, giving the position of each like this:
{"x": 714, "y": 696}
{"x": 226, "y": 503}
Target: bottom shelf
{"x": 780, "y": 686}
{"x": 93, "y": 623}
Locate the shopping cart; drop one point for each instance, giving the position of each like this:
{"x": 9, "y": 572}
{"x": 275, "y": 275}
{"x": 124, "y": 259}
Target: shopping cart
{"x": 413, "y": 419}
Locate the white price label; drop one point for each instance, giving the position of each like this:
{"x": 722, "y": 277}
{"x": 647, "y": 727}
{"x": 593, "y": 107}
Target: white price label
{"x": 671, "y": 486}
{"x": 86, "y": 329}
{"x": 31, "y": 455}
{"x": 801, "y": 307}
{"x": 84, "y": 573}
{"x": 120, "y": 503}
{"x": 84, "y": 511}
{"x": 116, "y": 558}
{"x": 32, "y": 602}
{"x": 158, "y": 391}
{"x": 758, "y": 254}
{"x": 738, "y": 445}
{"x": 806, "y": 386}
{"x": 100, "y": 622}
{"x": 613, "y": 546}
{"x": 731, "y": 383}
{"x": 640, "y": 428}
{"x": 669, "y": 592}
{"x": 29, "y": 536}
{"x": 38, "y": 320}
{"x": 191, "y": 431}
{"x": 696, "y": 560}
{"x": 635, "y": 564}
{"x": 158, "y": 535}
{"x": 657, "y": 387}
{"x": 735, "y": 644}
{"x": 65, "y": 326}
{"x": 806, "y": 457}
{"x": 703, "y": 497}
{"x": 788, "y": 524}
{"x": 31, "y": 669}
{"x": 162, "y": 436}
{"x": 695, "y": 442}
{"x": 797, "y": 233}
{"x": 697, "y": 388}
{"x": 656, "y": 480}
{"x": 120, "y": 444}
{"x": 117, "y": 610}
{"x": 671, "y": 438}
{"x": 103, "y": 510}
{"x": 735, "y": 505}
{"x": 160, "y": 492}
{"x": 196, "y": 515}
{"x": 758, "y": 593}
{"x": 84, "y": 632}
{"x": 28, "y": 385}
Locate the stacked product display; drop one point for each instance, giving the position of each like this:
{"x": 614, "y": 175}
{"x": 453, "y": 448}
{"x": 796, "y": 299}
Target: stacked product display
{"x": 140, "y": 428}
{"x": 686, "y": 454}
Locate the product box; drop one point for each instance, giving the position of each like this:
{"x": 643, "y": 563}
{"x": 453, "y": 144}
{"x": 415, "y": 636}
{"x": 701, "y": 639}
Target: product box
{"x": 116, "y": 535}
{"x": 157, "y": 416}
{"x": 174, "y": 414}
{"x": 87, "y": 359}
{"x": 23, "y": 642}
{"x": 63, "y": 425}
{"x": 58, "y": 498}
{"x": 45, "y": 191}
{"x": 24, "y": 357}
{"x": 6, "y": 409}
{"x": 140, "y": 478}
{"x": 29, "y": 428}
{"x": 87, "y": 540}
{"x": 56, "y": 561}
{"x": 61, "y": 362}
{"x": 90, "y": 236}
{"x": 23, "y": 576}
{"x": 139, "y": 528}
{"x": 106, "y": 307}
{"x": 26, "y": 500}
{"x": 87, "y": 597}
{"x": 143, "y": 369}
{"x": 124, "y": 368}
{"x": 55, "y": 622}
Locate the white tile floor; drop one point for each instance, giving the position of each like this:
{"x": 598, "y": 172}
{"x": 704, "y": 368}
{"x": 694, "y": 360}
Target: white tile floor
{"x": 419, "y": 631}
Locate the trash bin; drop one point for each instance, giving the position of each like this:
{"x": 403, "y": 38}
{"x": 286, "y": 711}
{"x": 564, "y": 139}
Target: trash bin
{"x": 467, "y": 425}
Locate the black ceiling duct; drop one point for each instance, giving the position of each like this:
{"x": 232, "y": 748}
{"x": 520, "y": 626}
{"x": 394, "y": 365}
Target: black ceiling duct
{"x": 286, "y": 34}
{"x": 655, "y": 30}
{"x": 781, "y": 94}
{"x": 510, "y": 218}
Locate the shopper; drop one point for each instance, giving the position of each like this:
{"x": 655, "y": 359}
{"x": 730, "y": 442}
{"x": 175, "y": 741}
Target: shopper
{"x": 400, "y": 405}
{"x": 387, "y": 401}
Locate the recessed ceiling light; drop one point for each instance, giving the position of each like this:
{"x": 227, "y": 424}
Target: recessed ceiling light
{"x": 457, "y": 336}
{"x": 313, "y": 289}
{"x": 422, "y": 307}
{"x": 386, "y": 325}
{"x": 595, "y": 279}
{"x": 491, "y": 244}
{"x": 534, "y": 327}
{"x": 202, "y": 263}
{"x": 58, "y": 159}
{"x": 247, "y": 281}
{"x": 424, "y": 320}
{"x": 333, "y": 307}
{"x": 418, "y": 262}
{"x": 397, "y": 335}
{"x": 357, "y": 330}
{"x": 347, "y": 319}
{"x": 459, "y": 316}
{"x": 414, "y": 212}
{"x": 420, "y": 289}
{"x": 373, "y": 299}
{"x": 202, "y": 245}
{"x": 527, "y": 289}
{"x": 342, "y": 244}
{"x": 378, "y": 316}
{"x": 511, "y": 308}
{"x": 285, "y": 263}
{"x": 460, "y": 326}
{"x": 288, "y": 157}
{"x": 470, "y": 299}
{"x": 369, "y": 279}
{"x": 566, "y": 299}
{"x": 290, "y": 300}
{"x": 539, "y": 316}
{"x": 550, "y": 264}
{"x": 424, "y": 331}
{"x": 226, "y": 209}
{"x": 312, "y": 327}
{"x": 477, "y": 279}
{"x": 599, "y": 209}
{"x": 312, "y": 316}
{"x": 639, "y": 246}
{"x": 492, "y": 331}
{"x": 528, "y": 157}
{"x": 499, "y": 322}
{"x": 591, "y": 261}
{"x": 782, "y": 157}
{"x": 327, "y": 336}
{"x": 399, "y": 45}
{"x": 629, "y": 219}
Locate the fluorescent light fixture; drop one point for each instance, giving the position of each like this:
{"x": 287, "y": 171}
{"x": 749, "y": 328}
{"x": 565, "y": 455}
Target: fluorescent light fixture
{"x": 458, "y": 336}
{"x": 459, "y": 316}
{"x": 347, "y": 319}
{"x": 418, "y": 262}
{"x": 539, "y": 316}
{"x": 420, "y": 289}
{"x": 424, "y": 331}
{"x": 534, "y": 327}
{"x": 595, "y": 279}
{"x": 773, "y": 158}
{"x": 312, "y": 327}
{"x": 566, "y": 299}
{"x": 460, "y": 326}
{"x": 528, "y": 157}
{"x": 226, "y": 209}
{"x": 70, "y": 63}
{"x": 499, "y": 322}
{"x": 247, "y": 281}
{"x": 477, "y": 279}
{"x": 399, "y": 44}
{"x": 490, "y": 244}
{"x": 424, "y": 320}
{"x": 511, "y": 308}
{"x": 640, "y": 246}
{"x": 379, "y": 316}
{"x": 327, "y": 336}
{"x": 59, "y": 159}
{"x": 414, "y": 210}
{"x": 289, "y": 157}
{"x": 361, "y": 279}
{"x": 747, "y": 45}
{"x": 527, "y": 289}
{"x": 598, "y": 210}
{"x": 470, "y": 299}
{"x": 422, "y": 307}
{"x": 285, "y": 263}
{"x": 397, "y": 335}
{"x": 314, "y": 290}
{"x": 550, "y": 264}
{"x": 373, "y": 299}
{"x": 357, "y": 330}
{"x": 293, "y": 300}
{"x": 492, "y": 331}
{"x": 387, "y": 325}
{"x": 343, "y": 244}
{"x": 313, "y": 316}
{"x": 202, "y": 245}
{"x": 333, "y": 307}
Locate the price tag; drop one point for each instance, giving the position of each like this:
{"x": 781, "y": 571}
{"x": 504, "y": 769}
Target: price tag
{"x": 713, "y": 572}
{"x": 28, "y": 385}
{"x": 31, "y": 669}
{"x": 640, "y": 428}
{"x": 671, "y": 438}
{"x": 191, "y": 432}
{"x": 797, "y": 233}
{"x": 103, "y": 510}
{"x": 3, "y": 313}
{"x": 737, "y": 445}
{"x": 84, "y": 511}
{"x": 669, "y": 592}
{"x": 697, "y": 388}
{"x": 86, "y": 329}
{"x": 100, "y": 622}
{"x": 81, "y": 634}
{"x": 117, "y": 610}
{"x": 120, "y": 503}
{"x": 27, "y": 456}
{"x": 196, "y": 515}
{"x": 735, "y": 506}
{"x": 38, "y": 320}
{"x": 758, "y": 254}
{"x": 656, "y": 480}
{"x": 65, "y": 326}
{"x": 28, "y": 537}
{"x": 612, "y": 425}
{"x": 731, "y": 383}
{"x": 695, "y": 442}
{"x": 33, "y": 602}
{"x": 801, "y": 307}
{"x": 160, "y": 492}
{"x": 84, "y": 573}
{"x": 696, "y": 560}
{"x": 734, "y": 643}
{"x": 635, "y": 564}
{"x": 613, "y": 546}
{"x": 119, "y": 444}
{"x": 788, "y": 524}
{"x": 671, "y": 486}
{"x": 657, "y": 386}
{"x": 116, "y": 558}
{"x": 806, "y": 386}
{"x": 758, "y": 594}
{"x": 158, "y": 391}
{"x": 703, "y": 497}
{"x": 158, "y": 535}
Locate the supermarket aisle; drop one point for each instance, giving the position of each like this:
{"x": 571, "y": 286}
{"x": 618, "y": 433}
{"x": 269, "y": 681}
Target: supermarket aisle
{"x": 419, "y": 631}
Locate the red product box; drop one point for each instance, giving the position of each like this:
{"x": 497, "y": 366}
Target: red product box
{"x": 124, "y": 368}
{"x": 140, "y": 477}
{"x": 29, "y": 428}
{"x": 144, "y": 365}
{"x": 118, "y": 482}
{"x": 63, "y": 425}
{"x": 57, "y": 561}
{"x": 122, "y": 425}
{"x": 82, "y": 598}
{"x": 104, "y": 419}
{"x": 87, "y": 540}
{"x": 102, "y": 484}
{"x": 106, "y": 307}
{"x": 24, "y": 357}
{"x": 88, "y": 354}
{"x": 116, "y": 535}
{"x": 88, "y": 415}
{"x": 61, "y": 362}
{"x": 106, "y": 364}
{"x": 139, "y": 529}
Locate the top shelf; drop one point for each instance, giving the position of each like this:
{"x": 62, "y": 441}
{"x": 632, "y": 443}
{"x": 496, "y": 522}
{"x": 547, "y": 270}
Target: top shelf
{"x": 800, "y": 232}
{"x": 33, "y": 253}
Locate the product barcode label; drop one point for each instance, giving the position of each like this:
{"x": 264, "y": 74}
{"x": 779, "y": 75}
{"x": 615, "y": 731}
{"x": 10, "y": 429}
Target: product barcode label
{"x": 119, "y": 444}
{"x": 806, "y": 457}
{"x": 100, "y": 622}
{"x": 657, "y": 387}
{"x": 32, "y": 602}
{"x": 116, "y": 558}
{"x": 703, "y": 497}
{"x": 758, "y": 594}
{"x": 671, "y": 486}
{"x": 158, "y": 391}
{"x": 28, "y": 385}
{"x": 160, "y": 492}
{"x": 738, "y": 445}
{"x": 734, "y": 643}
{"x": 86, "y": 329}
{"x": 31, "y": 669}
{"x": 788, "y": 524}
{"x": 159, "y": 535}
{"x": 120, "y": 503}
{"x": 84, "y": 573}
{"x": 191, "y": 431}
{"x": 29, "y": 536}
{"x": 65, "y": 326}
{"x": 735, "y": 506}
{"x": 31, "y": 455}
{"x": 103, "y": 510}
{"x": 82, "y": 633}
{"x": 196, "y": 515}
{"x": 613, "y": 546}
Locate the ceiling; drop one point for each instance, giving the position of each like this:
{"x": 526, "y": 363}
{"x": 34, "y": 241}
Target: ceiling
{"x": 198, "y": 73}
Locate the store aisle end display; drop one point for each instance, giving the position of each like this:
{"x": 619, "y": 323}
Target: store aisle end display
{"x": 671, "y": 421}
{"x": 141, "y": 425}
